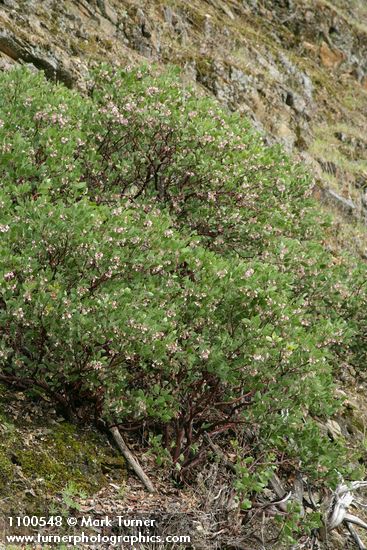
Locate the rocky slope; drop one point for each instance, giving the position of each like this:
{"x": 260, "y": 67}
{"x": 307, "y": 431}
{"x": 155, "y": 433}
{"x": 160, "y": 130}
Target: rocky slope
{"x": 297, "y": 68}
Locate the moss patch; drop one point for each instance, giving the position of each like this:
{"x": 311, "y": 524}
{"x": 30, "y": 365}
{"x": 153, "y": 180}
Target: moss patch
{"x": 40, "y": 458}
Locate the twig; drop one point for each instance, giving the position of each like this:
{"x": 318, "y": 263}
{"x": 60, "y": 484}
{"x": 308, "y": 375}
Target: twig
{"x": 311, "y": 497}
{"x": 131, "y": 460}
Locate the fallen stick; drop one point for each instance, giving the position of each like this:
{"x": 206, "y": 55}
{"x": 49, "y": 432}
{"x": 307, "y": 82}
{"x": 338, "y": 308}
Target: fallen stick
{"x": 356, "y": 521}
{"x": 355, "y": 536}
{"x": 277, "y": 487}
{"x": 218, "y": 451}
{"x": 298, "y": 493}
{"x": 131, "y": 460}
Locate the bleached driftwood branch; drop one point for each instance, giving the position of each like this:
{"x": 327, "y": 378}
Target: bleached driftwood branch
{"x": 340, "y": 503}
{"x": 338, "y": 513}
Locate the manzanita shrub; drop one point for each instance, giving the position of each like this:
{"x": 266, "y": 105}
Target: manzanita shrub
{"x": 161, "y": 267}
